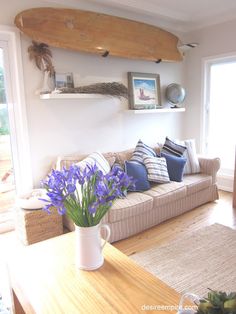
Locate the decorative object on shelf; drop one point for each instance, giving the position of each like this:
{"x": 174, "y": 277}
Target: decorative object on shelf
{"x": 64, "y": 80}
{"x": 144, "y": 90}
{"x": 160, "y": 110}
{"x": 41, "y": 54}
{"x": 114, "y": 89}
{"x": 85, "y": 195}
{"x": 175, "y": 94}
{"x": 84, "y": 31}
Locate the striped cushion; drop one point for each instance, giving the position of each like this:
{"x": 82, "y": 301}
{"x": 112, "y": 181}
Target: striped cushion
{"x": 173, "y": 148}
{"x": 192, "y": 164}
{"x": 98, "y": 159}
{"x": 156, "y": 169}
{"x": 141, "y": 150}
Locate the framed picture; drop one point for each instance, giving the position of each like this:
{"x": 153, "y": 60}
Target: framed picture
{"x": 64, "y": 80}
{"x": 144, "y": 90}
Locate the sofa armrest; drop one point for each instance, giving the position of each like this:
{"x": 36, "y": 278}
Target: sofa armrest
{"x": 209, "y": 166}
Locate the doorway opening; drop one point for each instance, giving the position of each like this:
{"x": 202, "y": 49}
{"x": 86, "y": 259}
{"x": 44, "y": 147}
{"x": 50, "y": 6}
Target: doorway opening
{"x": 220, "y": 111}
{"x": 7, "y": 179}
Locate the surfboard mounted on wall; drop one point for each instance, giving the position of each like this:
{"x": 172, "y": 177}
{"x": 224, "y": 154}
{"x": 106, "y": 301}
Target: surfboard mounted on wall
{"x": 98, "y": 33}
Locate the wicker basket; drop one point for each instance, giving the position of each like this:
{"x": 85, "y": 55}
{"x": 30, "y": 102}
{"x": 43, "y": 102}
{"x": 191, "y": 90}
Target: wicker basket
{"x": 36, "y": 225}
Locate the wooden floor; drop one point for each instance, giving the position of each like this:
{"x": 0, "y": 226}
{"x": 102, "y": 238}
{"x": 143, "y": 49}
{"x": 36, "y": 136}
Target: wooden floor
{"x": 220, "y": 211}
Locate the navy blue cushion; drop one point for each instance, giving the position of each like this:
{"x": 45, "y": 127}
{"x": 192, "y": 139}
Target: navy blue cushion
{"x": 175, "y": 166}
{"x": 139, "y": 173}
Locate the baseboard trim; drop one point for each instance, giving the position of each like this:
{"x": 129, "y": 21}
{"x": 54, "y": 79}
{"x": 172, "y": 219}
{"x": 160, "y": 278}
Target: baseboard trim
{"x": 225, "y": 182}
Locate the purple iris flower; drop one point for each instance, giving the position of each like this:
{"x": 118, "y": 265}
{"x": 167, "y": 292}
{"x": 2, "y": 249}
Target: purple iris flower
{"x": 90, "y": 203}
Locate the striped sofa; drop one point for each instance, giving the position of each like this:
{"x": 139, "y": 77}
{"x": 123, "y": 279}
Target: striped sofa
{"x": 142, "y": 210}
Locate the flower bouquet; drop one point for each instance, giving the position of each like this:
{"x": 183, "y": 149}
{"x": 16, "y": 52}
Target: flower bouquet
{"x": 86, "y": 195}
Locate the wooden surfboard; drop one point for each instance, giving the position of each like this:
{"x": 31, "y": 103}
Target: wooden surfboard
{"x": 98, "y": 33}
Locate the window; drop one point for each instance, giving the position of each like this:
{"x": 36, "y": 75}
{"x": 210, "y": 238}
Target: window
{"x": 220, "y": 112}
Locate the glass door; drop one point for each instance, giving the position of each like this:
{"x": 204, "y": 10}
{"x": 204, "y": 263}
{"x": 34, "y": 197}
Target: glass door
{"x": 221, "y": 113}
{"x": 7, "y": 180}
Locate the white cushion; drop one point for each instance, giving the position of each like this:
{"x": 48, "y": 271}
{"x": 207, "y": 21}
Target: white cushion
{"x": 156, "y": 169}
{"x": 192, "y": 164}
{"x": 98, "y": 159}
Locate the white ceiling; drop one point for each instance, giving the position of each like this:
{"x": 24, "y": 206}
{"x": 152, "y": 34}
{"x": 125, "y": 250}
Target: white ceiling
{"x": 178, "y": 15}
{"x": 186, "y": 15}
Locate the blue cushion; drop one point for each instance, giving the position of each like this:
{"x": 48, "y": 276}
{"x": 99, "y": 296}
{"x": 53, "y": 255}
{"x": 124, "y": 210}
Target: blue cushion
{"x": 175, "y": 166}
{"x": 139, "y": 173}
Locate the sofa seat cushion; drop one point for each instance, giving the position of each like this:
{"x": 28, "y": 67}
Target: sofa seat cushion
{"x": 134, "y": 204}
{"x": 197, "y": 182}
{"x": 166, "y": 193}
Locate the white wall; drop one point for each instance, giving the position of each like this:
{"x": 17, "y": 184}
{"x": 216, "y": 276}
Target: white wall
{"x": 60, "y": 127}
{"x": 213, "y": 41}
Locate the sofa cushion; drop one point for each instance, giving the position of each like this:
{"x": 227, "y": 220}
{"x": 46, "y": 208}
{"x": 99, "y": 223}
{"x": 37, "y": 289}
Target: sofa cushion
{"x": 192, "y": 164}
{"x": 141, "y": 150}
{"x": 95, "y": 158}
{"x": 67, "y": 161}
{"x": 175, "y": 166}
{"x": 172, "y": 148}
{"x": 134, "y": 204}
{"x": 166, "y": 193}
{"x": 197, "y": 182}
{"x": 138, "y": 172}
{"x": 156, "y": 169}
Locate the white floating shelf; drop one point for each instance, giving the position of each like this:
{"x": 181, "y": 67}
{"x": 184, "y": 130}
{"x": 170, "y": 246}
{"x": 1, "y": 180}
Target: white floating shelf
{"x": 161, "y": 110}
{"x": 72, "y": 96}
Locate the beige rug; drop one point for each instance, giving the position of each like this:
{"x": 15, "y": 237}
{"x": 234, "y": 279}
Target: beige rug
{"x": 206, "y": 259}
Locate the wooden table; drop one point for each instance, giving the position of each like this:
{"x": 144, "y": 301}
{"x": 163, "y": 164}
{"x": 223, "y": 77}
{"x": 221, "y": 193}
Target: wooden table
{"x": 45, "y": 280}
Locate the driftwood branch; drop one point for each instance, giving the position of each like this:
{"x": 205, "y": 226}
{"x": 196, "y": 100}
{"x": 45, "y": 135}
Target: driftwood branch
{"x": 113, "y": 89}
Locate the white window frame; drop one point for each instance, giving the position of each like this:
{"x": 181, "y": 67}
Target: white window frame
{"x": 224, "y": 181}
{"x": 205, "y": 108}
{"x": 14, "y": 84}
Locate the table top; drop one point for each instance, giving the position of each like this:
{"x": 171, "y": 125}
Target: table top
{"x": 46, "y": 280}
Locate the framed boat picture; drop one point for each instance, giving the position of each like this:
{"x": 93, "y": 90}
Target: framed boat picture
{"x": 144, "y": 90}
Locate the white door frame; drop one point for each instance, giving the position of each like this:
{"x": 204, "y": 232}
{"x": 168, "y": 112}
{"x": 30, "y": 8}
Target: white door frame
{"x": 14, "y": 84}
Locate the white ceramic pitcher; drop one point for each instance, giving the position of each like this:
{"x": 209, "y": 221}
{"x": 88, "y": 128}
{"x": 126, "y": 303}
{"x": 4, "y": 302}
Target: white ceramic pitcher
{"x": 88, "y": 246}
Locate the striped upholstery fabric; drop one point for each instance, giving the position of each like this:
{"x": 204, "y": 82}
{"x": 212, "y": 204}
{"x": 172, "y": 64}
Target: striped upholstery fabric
{"x": 173, "y": 148}
{"x": 167, "y": 193}
{"x": 125, "y": 228}
{"x": 124, "y": 155}
{"x": 209, "y": 166}
{"x": 140, "y": 150}
{"x": 197, "y": 182}
{"x": 134, "y": 204}
{"x": 98, "y": 159}
{"x": 156, "y": 169}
